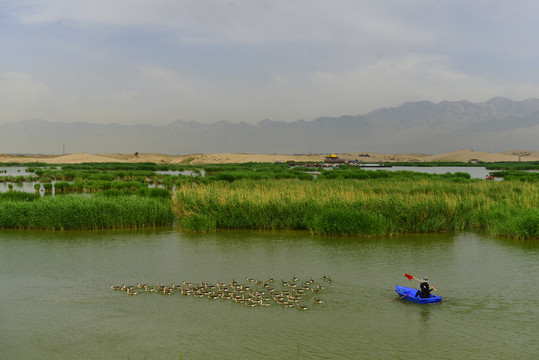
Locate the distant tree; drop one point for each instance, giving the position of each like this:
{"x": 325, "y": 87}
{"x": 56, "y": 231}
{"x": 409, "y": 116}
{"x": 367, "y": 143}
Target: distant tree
{"x": 136, "y": 153}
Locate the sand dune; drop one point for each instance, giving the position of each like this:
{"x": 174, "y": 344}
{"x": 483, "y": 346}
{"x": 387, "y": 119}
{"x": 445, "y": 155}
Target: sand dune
{"x": 460, "y": 155}
{"x": 467, "y": 155}
{"x": 81, "y": 158}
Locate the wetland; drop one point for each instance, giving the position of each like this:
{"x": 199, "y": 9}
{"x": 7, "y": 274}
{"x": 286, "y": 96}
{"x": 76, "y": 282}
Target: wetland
{"x": 85, "y": 228}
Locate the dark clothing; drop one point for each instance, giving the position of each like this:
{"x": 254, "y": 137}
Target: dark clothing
{"x": 425, "y": 291}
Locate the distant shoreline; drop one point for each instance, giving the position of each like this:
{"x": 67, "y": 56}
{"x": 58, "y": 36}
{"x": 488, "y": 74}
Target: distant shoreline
{"x": 229, "y": 158}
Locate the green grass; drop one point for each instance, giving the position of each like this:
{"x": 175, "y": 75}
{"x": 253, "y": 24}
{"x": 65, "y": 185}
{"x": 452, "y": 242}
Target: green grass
{"x": 349, "y": 201}
{"x": 84, "y": 213}
{"x": 367, "y": 207}
{"x": 517, "y": 175}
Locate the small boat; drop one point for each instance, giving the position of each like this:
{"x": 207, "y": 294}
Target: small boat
{"x": 407, "y": 293}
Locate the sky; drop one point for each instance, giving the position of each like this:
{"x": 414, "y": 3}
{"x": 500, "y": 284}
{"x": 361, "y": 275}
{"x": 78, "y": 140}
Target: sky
{"x": 158, "y": 61}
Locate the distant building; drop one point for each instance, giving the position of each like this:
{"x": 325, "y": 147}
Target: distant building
{"x": 334, "y": 160}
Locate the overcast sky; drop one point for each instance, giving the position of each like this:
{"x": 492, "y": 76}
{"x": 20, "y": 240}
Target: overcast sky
{"x": 157, "y": 61}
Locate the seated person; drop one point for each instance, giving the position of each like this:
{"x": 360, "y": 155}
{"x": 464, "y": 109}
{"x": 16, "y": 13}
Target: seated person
{"x": 425, "y": 290}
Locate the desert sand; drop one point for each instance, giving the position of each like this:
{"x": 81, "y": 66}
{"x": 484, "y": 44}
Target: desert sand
{"x": 460, "y": 155}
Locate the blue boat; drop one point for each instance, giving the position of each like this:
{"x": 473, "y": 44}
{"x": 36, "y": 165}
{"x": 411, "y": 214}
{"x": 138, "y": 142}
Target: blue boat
{"x": 407, "y": 293}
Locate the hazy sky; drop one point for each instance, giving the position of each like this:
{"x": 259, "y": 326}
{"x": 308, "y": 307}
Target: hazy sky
{"x": 156, "y": 61}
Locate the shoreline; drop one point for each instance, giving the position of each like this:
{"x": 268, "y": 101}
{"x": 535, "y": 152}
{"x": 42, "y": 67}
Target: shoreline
{"x": 465, "y": 156}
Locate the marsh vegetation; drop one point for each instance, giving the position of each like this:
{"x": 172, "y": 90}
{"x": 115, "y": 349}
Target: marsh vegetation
{"x": 369, "y": 207}
{"x": 346, "y": 201}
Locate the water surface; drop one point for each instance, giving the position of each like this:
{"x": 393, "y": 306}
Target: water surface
{"x": 56, "y": 302}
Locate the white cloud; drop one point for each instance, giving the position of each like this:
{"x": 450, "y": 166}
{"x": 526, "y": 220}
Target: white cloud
{"x": 295, "y": 59}
{"x": 317, "y": 21}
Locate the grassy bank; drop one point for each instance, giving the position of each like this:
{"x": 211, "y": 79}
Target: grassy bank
{"x": 83, "y": 213}
{"x": 366, "y": 207}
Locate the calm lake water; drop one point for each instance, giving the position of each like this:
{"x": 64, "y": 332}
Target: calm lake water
{"x": 56, "y": 301}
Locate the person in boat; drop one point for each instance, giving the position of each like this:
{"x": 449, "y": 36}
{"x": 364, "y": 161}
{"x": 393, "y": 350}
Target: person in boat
{"x": 424, "y": 289}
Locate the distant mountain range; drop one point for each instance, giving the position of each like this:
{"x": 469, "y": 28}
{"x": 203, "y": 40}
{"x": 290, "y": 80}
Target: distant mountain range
{"x": 413, "y": 127}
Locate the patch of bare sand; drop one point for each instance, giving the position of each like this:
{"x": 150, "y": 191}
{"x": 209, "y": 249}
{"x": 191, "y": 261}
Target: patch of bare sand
{"x": 243, "y": 158}
{"x": 461, "y": 155}
{"x": 57, "y": 159}
{"x": 469, "y": 155}
{"x": 83, "y": 158}
{"x": 525, "y": 155}
{"x": 379, "y": 157}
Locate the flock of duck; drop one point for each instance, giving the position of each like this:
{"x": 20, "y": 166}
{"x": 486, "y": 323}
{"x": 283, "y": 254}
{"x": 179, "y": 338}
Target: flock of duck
{"x": 288, "y": 294}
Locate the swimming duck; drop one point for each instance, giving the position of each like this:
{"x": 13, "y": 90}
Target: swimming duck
{"x": 129, "y": 292}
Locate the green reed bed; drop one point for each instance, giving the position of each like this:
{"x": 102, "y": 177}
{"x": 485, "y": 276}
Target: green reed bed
{"x": 517, "y": 175}
{"x": 97, "y": 186}
{"x": 258, "y": 175}
{"x": 513, "y": 166}
{"x": 366, "y": 207}
{"x": 355, "y": 172}
{"x": 110, "y": 166}
{"x": 84, "y": 213}
{"x": 17, "y": 179}
{"x": 253, "y": 171}
{"x": 102, "y": 175}
{"x": 501, "y": 165}
{"x": 250, "y": 166}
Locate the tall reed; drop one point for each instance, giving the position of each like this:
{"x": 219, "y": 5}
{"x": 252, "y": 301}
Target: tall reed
{"x": 83, "y": 213}
{"x": 366, "y": 207}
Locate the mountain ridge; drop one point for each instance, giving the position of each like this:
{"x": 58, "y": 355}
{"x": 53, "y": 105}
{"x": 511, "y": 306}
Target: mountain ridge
{"x": 412, "y": 127}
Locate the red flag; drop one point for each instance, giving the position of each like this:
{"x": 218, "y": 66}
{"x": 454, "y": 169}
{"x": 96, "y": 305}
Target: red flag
{"x": 408, "y": 276}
